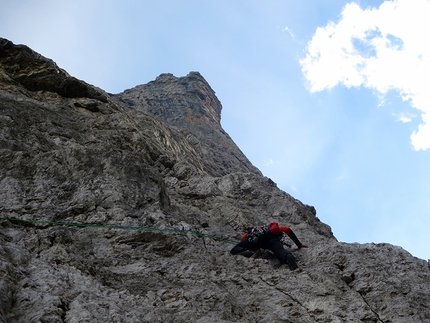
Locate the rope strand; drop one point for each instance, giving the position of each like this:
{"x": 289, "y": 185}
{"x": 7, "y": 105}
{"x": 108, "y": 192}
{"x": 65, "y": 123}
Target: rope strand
{"x": 119, "y": 227}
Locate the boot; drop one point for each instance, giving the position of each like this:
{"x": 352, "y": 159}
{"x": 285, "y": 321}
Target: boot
{"x": 290, "y": 261}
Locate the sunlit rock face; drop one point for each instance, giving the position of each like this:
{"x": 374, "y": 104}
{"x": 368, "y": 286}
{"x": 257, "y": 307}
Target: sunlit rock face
{"x": 155, "y": 182}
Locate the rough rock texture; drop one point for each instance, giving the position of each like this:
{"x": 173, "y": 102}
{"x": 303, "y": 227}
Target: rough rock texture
{"x": 156, "y": 157}
{"x": 190, "y": 106}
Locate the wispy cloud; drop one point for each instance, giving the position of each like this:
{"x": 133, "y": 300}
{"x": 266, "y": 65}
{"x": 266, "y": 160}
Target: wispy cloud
{"x": 269, "y": 162}
{"x": 288, "y": 30}
{"x": 404, "y": 117}
{"x": 383, "y": 49}
{"x": 343, "y": 175}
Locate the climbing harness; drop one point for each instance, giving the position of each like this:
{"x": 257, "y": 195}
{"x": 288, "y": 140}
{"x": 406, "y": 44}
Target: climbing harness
{"x": 254, "y": 234}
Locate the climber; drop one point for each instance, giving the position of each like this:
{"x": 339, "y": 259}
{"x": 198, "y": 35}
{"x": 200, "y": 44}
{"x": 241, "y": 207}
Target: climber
{"x": 268, "y": 237}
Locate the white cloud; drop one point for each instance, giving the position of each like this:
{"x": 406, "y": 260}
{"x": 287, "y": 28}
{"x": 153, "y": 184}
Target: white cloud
{"x": 383, "y": 49}
{"x": 404, "y": 117}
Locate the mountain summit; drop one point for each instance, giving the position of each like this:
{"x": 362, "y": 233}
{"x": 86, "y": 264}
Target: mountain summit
{"x": 189, "y": 105}
{"x": 123, "y": 208}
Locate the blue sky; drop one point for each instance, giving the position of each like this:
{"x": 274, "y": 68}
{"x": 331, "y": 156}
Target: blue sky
{"x": 327, "y": 98}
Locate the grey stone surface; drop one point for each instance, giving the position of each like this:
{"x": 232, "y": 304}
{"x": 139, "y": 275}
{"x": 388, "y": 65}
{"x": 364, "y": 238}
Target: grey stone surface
{"x": 157, "y": 157}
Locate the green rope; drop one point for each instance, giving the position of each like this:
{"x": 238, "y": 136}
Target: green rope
{"x": 119, "y": 227}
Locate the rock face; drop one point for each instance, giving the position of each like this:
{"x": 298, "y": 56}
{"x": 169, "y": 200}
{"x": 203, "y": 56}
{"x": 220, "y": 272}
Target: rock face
{"x": 134, "y": 169}
{"x": 190, "y": 106}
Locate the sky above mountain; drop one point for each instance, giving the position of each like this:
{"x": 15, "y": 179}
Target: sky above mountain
{"x": 327, "y": 98}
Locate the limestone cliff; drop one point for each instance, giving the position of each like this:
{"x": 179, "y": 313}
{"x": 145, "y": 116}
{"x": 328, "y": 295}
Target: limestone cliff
{"x": 96, "y": 188}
